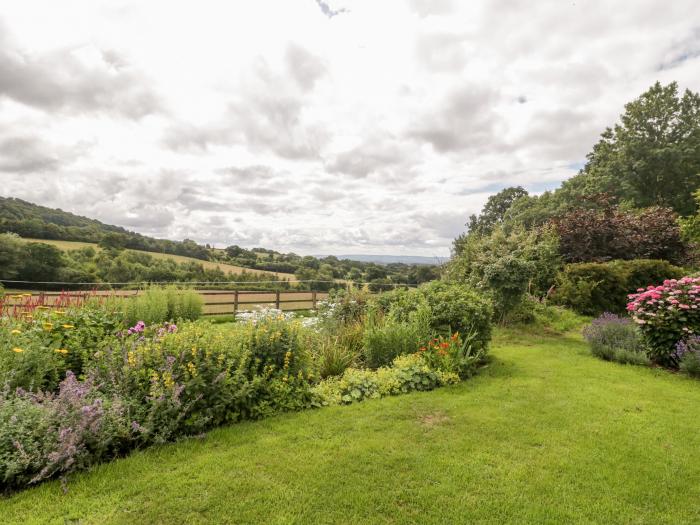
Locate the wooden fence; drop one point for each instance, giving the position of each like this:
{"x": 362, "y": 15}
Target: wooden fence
{"x": 216, "y": 302}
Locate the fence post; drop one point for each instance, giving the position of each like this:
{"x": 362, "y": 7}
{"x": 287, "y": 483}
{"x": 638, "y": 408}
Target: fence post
{"x": 235, "y": 302}
{"x": 313, "y": 299}
{"x": 277, "y": 299}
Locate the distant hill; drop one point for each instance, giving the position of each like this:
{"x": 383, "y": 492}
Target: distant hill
{"x": 31, "y": 220}
{"x": 390, "y": 259}
{"x": 69, "y": 231}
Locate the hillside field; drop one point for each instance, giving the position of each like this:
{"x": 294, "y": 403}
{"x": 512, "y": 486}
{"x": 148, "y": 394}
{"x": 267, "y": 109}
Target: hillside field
{"x": 227, "y": 268}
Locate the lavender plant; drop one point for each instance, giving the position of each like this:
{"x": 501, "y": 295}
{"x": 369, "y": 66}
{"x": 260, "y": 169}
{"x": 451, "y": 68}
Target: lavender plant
{"x": 615, "y": 338}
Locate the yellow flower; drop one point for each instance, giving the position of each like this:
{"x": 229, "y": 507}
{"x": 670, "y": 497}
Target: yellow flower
{"x": 192, "y": 369}
{"x": 131, "y": 358}
{"x": 59, "y": 312}
{"x": 61, "y": 351}
{"x": 18, "y": 350}
{"x": 48, "y": 326}
{"x": 68, "y": 326}
{"x": 15, "y": 332}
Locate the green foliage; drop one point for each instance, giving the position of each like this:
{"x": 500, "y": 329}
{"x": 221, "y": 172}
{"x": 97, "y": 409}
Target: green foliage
{"x": 649, "y": 165}
{"x": 690, "y": 364}
{"x": 545, "y": 317}
{"x": 495, "y": 210}
{"x": 159, "y": 304}
{"x": 10, "y": 256}
{"x": 384, "y": 340}
{"x": 37, "y": 351}
{"x": 455, "y": 354}
{"x": 408, "y": 373}
{"x": 458, "y": 308}
{"x": 506, "y": 264}
{"x": 594, "y": 288}
{"x": 614, "y": 338}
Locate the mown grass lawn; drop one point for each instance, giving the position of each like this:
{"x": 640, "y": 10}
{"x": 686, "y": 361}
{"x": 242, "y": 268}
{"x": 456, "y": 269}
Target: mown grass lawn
{"x": 545, "y": 434}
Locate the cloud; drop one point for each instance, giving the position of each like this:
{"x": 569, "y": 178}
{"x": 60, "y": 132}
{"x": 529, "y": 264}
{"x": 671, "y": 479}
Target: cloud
{"x": 327, "y": 11}
{"x": 75, "y": 80}
{"x": 464, "y": 120}
{"x": 379, "y": 130}
{"x": 266, "y": 115}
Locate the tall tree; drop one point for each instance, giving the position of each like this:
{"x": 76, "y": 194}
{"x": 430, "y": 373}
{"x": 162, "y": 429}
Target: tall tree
{"x": 651, "y": 157}
{"x": 495, "y": 209}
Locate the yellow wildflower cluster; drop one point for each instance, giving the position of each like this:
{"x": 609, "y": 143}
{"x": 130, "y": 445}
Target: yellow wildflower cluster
{"x": 61, "y": 351}
{"x": 17, "y": 350}
{"x": 192, "y": 369}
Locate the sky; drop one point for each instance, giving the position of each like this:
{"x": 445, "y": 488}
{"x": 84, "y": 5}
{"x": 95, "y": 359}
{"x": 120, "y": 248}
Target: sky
{"x": 319, "y": 127}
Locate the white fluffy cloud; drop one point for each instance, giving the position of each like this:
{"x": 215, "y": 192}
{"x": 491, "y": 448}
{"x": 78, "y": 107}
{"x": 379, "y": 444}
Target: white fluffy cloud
{"x": 318, "y": 127}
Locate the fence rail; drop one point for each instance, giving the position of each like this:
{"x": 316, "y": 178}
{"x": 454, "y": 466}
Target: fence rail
{"x": 216, "y": 302}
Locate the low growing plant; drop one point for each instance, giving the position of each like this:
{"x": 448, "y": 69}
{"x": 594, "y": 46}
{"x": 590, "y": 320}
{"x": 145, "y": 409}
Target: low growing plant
{"x": 615, "y": 338}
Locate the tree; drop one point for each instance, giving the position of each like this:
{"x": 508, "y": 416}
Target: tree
{"x": 651, "y": 157}
{"x": 588, "y": 235}
{"x": 10, "y": 255}
{"x": 113, "y": 241}
{"x": 495, "y": 210}
{"x": 40, "y": 262}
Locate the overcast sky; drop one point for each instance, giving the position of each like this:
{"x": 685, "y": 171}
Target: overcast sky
{"x": 339, "y": 127}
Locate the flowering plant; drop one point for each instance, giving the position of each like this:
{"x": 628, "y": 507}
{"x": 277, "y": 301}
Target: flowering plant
{"x": 666, "y": 314}
{"x": 452, "y": 354}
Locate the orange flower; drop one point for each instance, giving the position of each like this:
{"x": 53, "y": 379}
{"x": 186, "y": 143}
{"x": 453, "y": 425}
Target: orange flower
{"x": 444, "y": 345}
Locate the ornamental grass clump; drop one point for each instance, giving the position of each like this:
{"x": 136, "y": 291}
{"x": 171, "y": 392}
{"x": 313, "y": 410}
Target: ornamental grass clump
{"x": 666, "y": 314}
{"x": 616, "y": 338}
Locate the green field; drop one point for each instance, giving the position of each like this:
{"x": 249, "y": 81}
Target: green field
{"x": 545, "y": 434}
{"x": 227, "y": 268}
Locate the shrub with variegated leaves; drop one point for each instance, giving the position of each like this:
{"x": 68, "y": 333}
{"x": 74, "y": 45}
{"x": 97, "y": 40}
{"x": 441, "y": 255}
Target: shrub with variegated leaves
{"x": 666, "y": 314}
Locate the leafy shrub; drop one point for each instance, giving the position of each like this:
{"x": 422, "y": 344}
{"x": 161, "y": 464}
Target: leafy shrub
{"x": 550, "y": 318}
{"x": 593, "y": 288}
{"x": 615, "y": 338}
{"x": 607, "y": 233}
{"x": 457, "y": 308}
{"x": 158, "y": 304}
{"x": 408, "y": 373}
{"x": 688, "y": 355}
{"x": 642, "y": 272}
{"x": 666, "y": 314}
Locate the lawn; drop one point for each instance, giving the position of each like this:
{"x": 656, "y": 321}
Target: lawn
{"x": 545, "y": 434}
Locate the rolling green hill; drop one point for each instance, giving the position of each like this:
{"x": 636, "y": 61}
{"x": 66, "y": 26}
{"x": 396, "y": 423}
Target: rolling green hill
{"x": 208, "y": 265}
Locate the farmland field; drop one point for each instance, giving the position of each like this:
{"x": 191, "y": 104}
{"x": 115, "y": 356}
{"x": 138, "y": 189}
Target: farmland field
{"x": 210, "y": 265}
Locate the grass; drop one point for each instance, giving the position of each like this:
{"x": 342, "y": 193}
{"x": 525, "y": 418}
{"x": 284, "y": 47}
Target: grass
{"x": 545, "y": 434}
{"x": 208, "y": 265}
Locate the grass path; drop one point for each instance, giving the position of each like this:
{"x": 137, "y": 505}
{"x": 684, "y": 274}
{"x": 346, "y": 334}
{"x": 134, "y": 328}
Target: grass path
{"x": 545, "y": 434}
